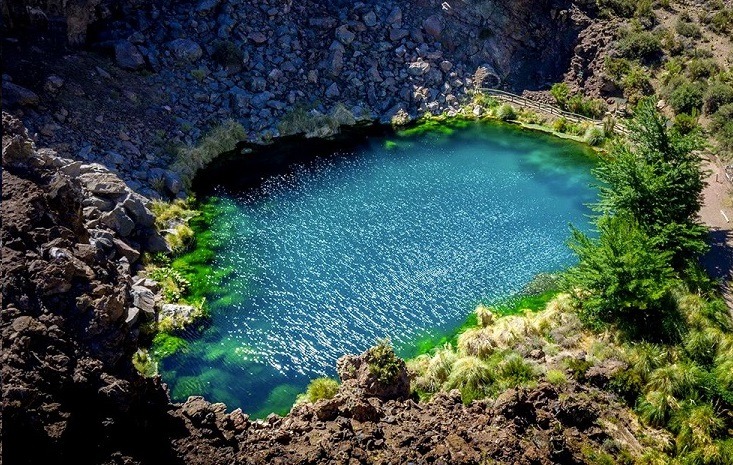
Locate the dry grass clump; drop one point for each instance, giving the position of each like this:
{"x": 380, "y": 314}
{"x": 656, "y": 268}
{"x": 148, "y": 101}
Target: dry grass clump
{"x": 315, "y": 124}
{"x": 477, "y": 342}
{"x": 222, "y": 139}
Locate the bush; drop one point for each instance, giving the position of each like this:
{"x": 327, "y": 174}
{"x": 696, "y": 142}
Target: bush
{"x": 560, "y": 124}
{"x": 227, "y": 53}
{"x": 622, "y": 278}
{"x": 686, "y": 98}
{"x": 515, "y": 371}
{"x": 556, "y": 377}
{"x": 506, "y": 112}
{"x": 640, "y": 45}
{"x": 319, "y": 388}
{"x": 687, "y": 29}
{"x": 686, "y": 124}
{"x": 701, "y": 68}
{"x": 722, "y": 126}
{"x": 472, "y": 377}
{"x": 594, "y": 136}
{"x": 220, "y": 140}
{"x": 561, "y": 93}
{"x": 636, "y": 83}
{"x": 717, "y": 95}
{"x": 144, "y": 363}
{"x": 383, "y": 362}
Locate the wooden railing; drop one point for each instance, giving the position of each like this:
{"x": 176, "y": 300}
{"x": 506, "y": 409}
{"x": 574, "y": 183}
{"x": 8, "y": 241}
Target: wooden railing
{"x": 518, "y": 100}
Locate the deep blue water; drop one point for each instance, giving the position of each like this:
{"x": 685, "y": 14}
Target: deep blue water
{"x": 399, "y": 239}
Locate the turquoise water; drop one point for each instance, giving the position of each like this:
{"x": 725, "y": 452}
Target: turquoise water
{"x": 400, "y": 238}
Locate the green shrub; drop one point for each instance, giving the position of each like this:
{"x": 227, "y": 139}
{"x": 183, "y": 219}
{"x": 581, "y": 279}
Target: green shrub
{"x": 617, "y": 68}
{"x": 686, "y": 124}
{"x": 721, "y": 21}
{"x": 717, "y": 95}
{"x": 227, "y": 53}
{"x": 722, "y": 126}
{"x": 622, "y": 278}
{"x": 561, "y": 93}
{"x": 514, "y": 371}
{"x": 174, "y": 285}
{"x": 687, "y": 29}
{"x": 383, "y": 362}
{"x": 319, "y": 388}
{"x": 222, "y": 139}
{"x": 594, "y": 136}
{"x": 556, "y": 377}
{"x": 640, "y": 45}
{"x": 636, "y": 83}
{"x": 686, "y": 97}
{"x": 701, "y": 68}
{"x": 560, "y": 124}
{"x": 506, "y": 112}
{"x": 144, "y": 363}
{"x": 623, "y": 8}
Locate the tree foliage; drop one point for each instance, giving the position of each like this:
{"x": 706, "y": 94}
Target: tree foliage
{"x": 658, "y": 181}
{"x": 622, "y": 277}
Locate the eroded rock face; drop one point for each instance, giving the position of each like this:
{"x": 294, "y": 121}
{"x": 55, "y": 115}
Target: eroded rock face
{"x": 68, "y": 324}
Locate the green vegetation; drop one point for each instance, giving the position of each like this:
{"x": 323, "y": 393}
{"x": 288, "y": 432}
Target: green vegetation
{"x": 319, "y": 388}
{"x": 383, "y": 362}
{"x": 637, "y": 296}
{"x": 576, "y": 103}
{"x": 506, "y": 112}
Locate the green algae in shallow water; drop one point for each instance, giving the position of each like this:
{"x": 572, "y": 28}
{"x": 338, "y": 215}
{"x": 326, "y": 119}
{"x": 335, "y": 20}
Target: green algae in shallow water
{"x": 434, "y": 127}
{"x": 280, "y": 400}
{"x": 165, "y": 345}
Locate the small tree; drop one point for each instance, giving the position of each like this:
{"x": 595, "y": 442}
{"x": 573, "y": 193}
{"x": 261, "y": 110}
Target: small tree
{"x": 561, "y": 93}
{"x": 622, "y": 278}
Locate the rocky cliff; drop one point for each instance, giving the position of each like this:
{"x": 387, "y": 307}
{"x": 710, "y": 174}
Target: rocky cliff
{"x": 163, "y": 73}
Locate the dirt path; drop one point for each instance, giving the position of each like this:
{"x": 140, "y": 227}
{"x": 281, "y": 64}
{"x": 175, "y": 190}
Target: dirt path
{"x": 717, "y": 214}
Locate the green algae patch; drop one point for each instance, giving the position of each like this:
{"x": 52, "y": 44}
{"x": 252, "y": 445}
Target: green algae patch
{"x": 434, "y": 126}
{"x": 280, "y": 400}
{"x": 166, "y": 344}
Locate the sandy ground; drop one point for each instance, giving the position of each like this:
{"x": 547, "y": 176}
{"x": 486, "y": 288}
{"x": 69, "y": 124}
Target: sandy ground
{"x": 717, "y": 206}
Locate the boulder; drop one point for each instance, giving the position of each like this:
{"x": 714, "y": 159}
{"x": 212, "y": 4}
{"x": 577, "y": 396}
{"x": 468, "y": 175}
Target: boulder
{"x": 144, "y": 299}
{"x": 418, "y": 68}
{"x": 118, "y": 220}
{"x": 370, "y": 19}
{"x": 15, "y": 95}
{"x": 396, "y": 35}
{"x": 344, "y": 35}
{"x": 128, "y": 56}
{"x": 102, "y": 183}
{"x": 366, "y": 373}
{"x": 333, "y": 91}
{"x": 138, "y": 211}
{"x": 185, "y": 50}
{"x": 433, "y": 27}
